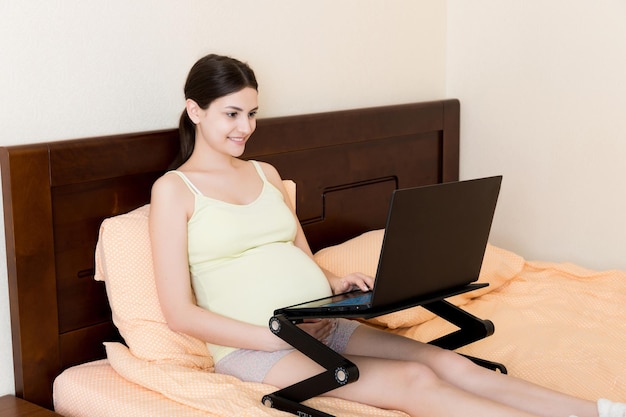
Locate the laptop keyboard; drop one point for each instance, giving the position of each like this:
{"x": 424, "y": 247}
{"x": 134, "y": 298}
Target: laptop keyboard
{"x": 354, "y": 301}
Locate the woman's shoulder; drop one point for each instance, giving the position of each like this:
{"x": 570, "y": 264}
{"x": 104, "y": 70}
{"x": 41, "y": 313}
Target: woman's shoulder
{"x": 270, "y": 171}
{"x": 167, "y": 180}
{"x": 170, "y": 197}
{"x": 169, "y": 185}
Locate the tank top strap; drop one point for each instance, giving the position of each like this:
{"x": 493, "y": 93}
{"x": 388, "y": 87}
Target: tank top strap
{"x": 259, "y": 170}
{"x": 187, "y": 182}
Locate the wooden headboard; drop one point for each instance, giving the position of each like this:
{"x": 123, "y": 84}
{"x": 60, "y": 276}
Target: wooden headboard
{"x": 345, "y": 165}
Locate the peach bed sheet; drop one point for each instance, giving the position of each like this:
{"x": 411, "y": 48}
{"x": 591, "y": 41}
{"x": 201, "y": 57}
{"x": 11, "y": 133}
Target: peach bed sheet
{"x": 558, "y": 325}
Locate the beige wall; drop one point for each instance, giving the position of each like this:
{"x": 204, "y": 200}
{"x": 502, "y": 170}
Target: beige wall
{"x": 76, "y": 68}
{"x": 543, "y": 98}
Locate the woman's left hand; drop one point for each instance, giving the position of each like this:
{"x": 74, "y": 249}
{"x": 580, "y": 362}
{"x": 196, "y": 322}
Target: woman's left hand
{"x": 356, "y": 280}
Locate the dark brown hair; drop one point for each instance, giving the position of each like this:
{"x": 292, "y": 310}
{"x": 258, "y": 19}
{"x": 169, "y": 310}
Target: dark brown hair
{"x": 212, "y": 77}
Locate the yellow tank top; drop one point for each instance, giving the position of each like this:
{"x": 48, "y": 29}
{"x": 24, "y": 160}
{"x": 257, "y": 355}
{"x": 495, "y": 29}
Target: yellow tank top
{"x": 242, "y": 259}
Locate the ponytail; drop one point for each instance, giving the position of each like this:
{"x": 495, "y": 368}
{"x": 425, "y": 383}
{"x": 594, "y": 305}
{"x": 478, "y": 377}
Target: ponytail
{"x": 187, "y": 137}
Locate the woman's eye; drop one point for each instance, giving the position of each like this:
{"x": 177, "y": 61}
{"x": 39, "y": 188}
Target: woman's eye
{"x": 252, "y": 114}
{"x": 232, "y": 114}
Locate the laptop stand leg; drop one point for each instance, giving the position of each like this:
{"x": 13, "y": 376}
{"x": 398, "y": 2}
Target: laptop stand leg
{"x": 471, "y": 329}
{"x": 339, "y": 370}
{"x": 293, "y": 407}
{"x": 494, "y": 366}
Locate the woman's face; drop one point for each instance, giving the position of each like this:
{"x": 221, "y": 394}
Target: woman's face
{"x": 228, "y": 122}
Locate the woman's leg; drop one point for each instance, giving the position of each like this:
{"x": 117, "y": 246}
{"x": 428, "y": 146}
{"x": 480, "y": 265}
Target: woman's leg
{"x": 465, "y": 375}
{"x": 397, "y": 385}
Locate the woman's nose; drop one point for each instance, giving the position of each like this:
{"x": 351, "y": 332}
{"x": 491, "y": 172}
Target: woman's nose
{"x": 246, "y": 125}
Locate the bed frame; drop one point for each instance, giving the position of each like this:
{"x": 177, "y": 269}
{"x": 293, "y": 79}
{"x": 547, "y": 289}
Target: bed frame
{"x": 345, "y": 165}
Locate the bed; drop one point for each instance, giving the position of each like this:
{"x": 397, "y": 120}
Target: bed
{"x": 72, "y": 206}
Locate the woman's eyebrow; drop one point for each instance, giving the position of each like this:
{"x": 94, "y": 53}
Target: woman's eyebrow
{"x": 239, "y": 108}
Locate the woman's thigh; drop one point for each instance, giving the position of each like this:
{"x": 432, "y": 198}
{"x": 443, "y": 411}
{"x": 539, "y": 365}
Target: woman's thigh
{"x": 368, "y": 341}
{"x": 447, "y": 365}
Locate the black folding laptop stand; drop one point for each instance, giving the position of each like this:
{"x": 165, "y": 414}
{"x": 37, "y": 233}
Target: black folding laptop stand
{"x": 340, "y": 371}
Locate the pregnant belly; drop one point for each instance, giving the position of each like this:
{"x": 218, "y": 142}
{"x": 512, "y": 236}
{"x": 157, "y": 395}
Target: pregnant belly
{"x": 251, "y": 286}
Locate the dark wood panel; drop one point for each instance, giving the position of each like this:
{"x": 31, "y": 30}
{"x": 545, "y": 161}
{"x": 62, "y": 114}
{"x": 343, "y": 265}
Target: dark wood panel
{"x": 285, "y": 134}
{"x": 92, "y": 159}
{"x": 30, "y": 264}
{"x": 85, "y": 344}
{"x": 414, "y": 160}
{"x": 451, "y": 140}
{"x": 78, "y": 211}
{"x": 349, "y": 211}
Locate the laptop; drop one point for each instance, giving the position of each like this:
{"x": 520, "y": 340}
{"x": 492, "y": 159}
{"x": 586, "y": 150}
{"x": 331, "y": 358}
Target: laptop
{"x": 433, "y": 248}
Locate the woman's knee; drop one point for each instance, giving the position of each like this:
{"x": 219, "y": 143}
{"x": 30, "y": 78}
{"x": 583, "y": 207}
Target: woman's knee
{"x": 417, "y": 377}
{"x": 446, "y": 363}
{"x": 398, "y": 385}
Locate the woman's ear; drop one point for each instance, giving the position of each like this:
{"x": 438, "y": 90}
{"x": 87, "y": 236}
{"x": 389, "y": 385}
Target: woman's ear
{"x": 193, "y": 111}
